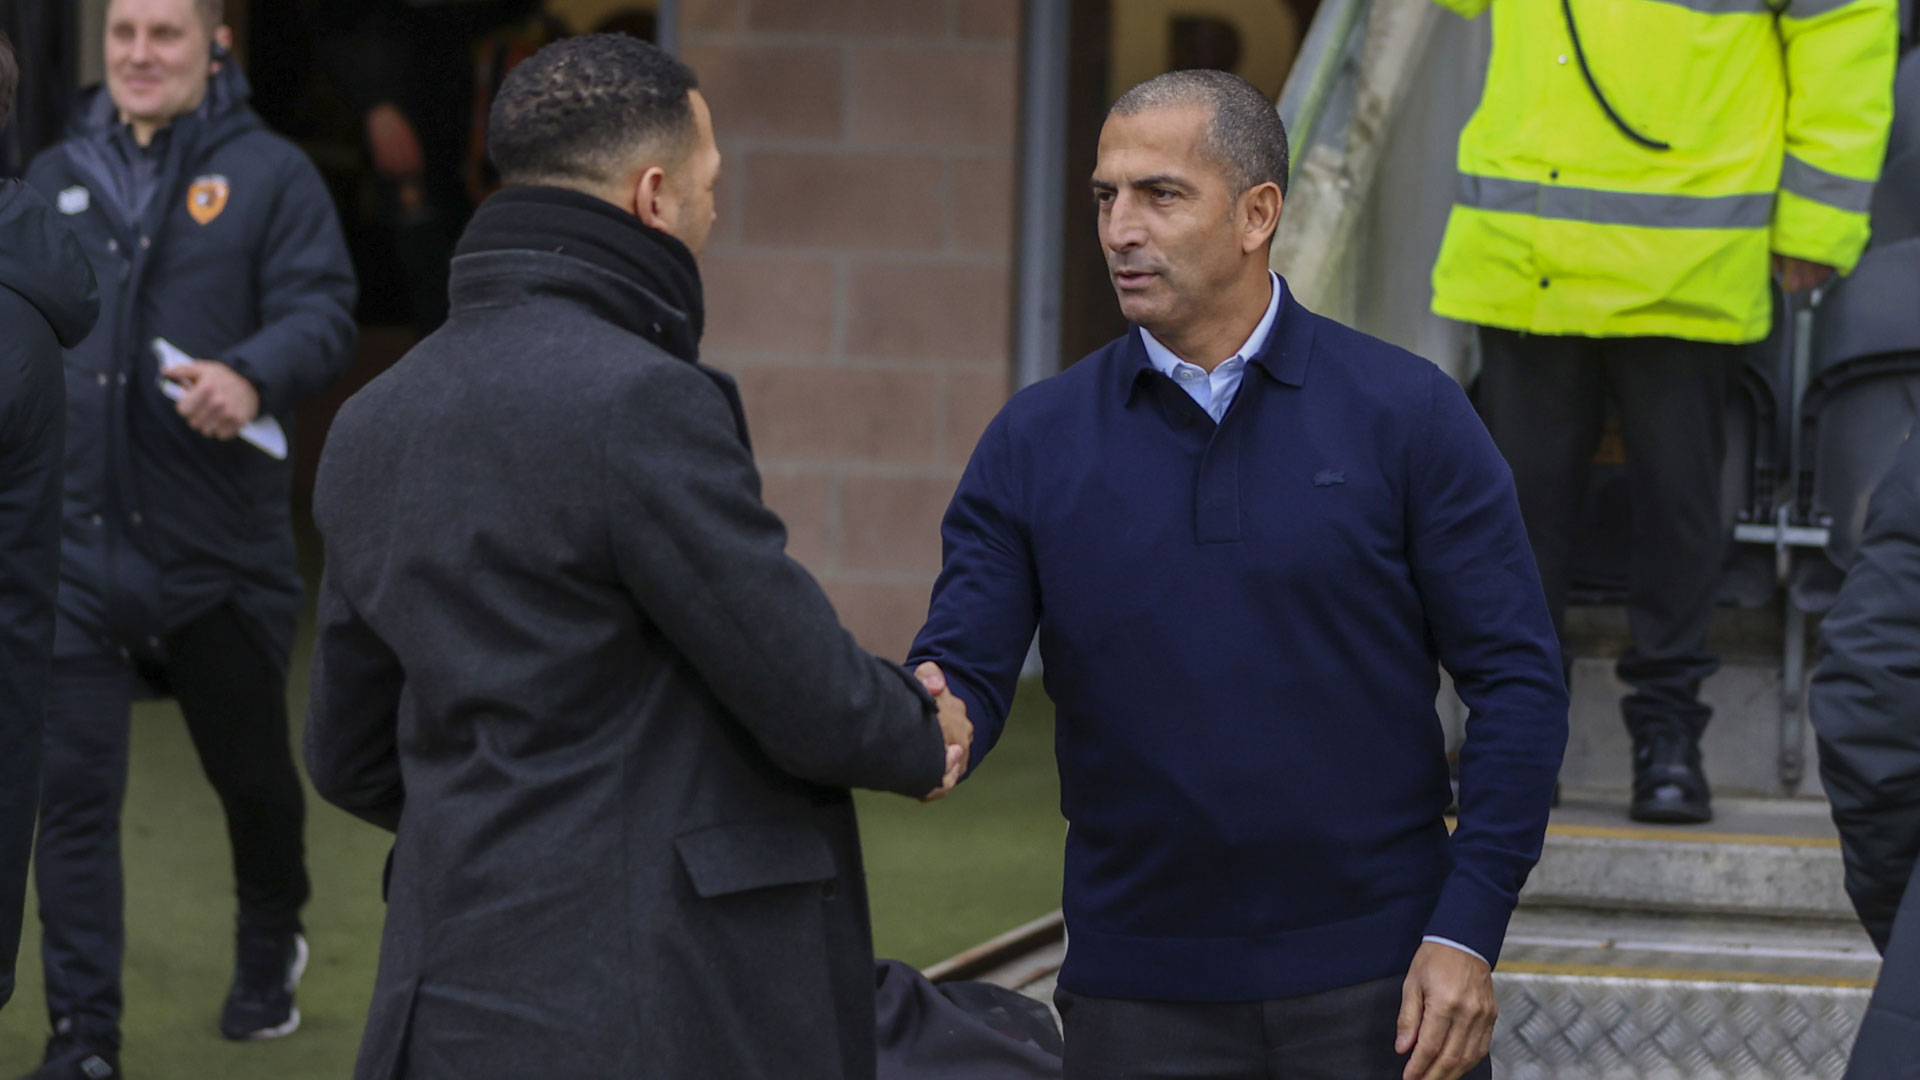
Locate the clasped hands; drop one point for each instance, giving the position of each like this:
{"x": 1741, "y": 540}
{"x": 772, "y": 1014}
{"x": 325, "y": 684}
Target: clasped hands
{"x": 954, "y": 727}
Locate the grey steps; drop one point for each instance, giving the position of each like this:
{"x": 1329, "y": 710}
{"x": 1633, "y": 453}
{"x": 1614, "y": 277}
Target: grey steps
{"x": 1759, "y": 857}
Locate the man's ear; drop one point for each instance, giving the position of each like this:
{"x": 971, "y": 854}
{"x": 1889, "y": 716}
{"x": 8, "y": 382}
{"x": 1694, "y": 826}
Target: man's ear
{"x": 1260, "y": 209}
{"x": 652, "y": 203}
{"x": 222, "y": 46}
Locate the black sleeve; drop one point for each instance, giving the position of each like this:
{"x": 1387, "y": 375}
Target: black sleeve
{"x": 1865, "y": 702}
{"x": 706, "y": 561}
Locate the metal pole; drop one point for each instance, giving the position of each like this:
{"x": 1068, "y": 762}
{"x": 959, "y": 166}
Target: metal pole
{"x": 666, "y": 25}
{"x": 1043, "y": 177}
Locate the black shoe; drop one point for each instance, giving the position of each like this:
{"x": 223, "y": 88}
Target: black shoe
{"x": 1669, "y": 787}
{"x": 70, "y": 1059}
{"x": 266, "y": 973}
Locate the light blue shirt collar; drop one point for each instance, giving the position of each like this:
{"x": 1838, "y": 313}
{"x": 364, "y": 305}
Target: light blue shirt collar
{"x": 1214, "y": 391}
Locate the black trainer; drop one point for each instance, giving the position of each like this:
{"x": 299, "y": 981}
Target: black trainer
{"x": 70, "y": 1059}
{"x": 266, "y": 972}
{"x": 1669, "y": 787}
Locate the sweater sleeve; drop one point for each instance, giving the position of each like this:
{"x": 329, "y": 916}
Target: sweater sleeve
{"x": 986, "y": 601}
{"x": 1488, "y": 616}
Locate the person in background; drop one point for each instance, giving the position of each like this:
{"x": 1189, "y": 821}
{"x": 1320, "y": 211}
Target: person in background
{"x": 1249, "y": 538}
{"x": 1633, "y": 171}
{"x": 1864, "y": 704}
{"x": 563, "y": 655}
{"x": 226, "y": 299}
{"x": 48, "y": 300}
{"x": 408, "y": 69}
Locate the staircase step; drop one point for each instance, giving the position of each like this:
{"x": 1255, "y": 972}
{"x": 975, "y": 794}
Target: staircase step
{"x": 1777, "y": 857}
{"x": 1611, "y": 996}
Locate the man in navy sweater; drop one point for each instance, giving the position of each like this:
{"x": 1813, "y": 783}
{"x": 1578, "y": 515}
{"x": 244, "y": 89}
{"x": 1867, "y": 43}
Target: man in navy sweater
{"x": 1249, "y": 537}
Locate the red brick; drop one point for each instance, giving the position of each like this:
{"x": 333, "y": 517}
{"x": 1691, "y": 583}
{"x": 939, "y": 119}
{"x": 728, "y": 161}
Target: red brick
{"x": 843, "y": 200}
{"x": 884, "y": 616}
{"x": 838, "y": 414}
{"x": 988, "y": 19}
{"x": 983, "y": 199}
{"x": 974, "y": 398}
{"x": 893, "y": 522}
{"x": 697, "y": 15}
{"x": 805, "y": 503}
{"x": 929, "y": 311}
{"x": 935, "y": 95}
{"x": 788, "y": 91}
{"x": 768, "y": 302}
{"x": 850, "y": 16}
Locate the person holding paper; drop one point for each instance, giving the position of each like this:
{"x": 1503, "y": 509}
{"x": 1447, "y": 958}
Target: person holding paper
{"x": 211, "y": 234}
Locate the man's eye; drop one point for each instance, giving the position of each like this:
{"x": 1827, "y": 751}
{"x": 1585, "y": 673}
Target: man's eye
{"x": 1103, "y": 197}
{"x": 1162, "y": 194}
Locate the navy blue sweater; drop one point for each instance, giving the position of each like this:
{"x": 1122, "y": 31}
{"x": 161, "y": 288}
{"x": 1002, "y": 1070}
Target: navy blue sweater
{"x": 1242, "y": 627}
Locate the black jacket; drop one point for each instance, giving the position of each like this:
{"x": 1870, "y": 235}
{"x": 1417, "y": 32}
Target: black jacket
{"x": 562, "y": 651}
{"x": 1865, "y": 708}
{"x": 47, "y": 300}
{"x": 237, "y": 256}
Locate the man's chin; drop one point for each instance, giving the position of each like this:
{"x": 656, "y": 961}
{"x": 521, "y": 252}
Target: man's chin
{"x": 1139, "y": 309}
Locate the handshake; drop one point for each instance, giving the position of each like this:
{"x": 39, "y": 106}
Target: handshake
{"x": 954, "y": 726}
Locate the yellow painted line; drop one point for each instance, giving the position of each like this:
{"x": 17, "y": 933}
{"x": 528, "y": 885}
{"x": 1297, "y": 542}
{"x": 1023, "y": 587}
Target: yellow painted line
{"x": 1687, "y": 975}
{"x": 1682, "y": 836}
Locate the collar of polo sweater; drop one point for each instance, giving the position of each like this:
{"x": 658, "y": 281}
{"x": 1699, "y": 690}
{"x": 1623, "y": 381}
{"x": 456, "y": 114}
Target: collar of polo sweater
{"x": 1214, "y": 390}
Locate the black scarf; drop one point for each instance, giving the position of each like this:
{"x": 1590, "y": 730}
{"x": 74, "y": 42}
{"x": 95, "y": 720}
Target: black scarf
{"x": 596, "y": 232}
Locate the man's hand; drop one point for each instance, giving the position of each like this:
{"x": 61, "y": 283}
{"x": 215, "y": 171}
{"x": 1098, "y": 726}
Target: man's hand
{"x": 219, "y": 402}
{"x": 395, "y": 145}
{"x": 1446, "y": 1013}
{"x": 1799, "y": 275}
{"x": 954, "y": 726}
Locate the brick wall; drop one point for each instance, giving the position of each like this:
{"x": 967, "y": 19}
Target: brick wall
{"x": 859, "y": 279}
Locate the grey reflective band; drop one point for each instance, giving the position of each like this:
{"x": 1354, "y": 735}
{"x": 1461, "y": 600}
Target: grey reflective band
{"x": 1597, "y": 207}
{"x": 1723, "y": 7}
{"x": 1812, "y": 9}
{"x": 1821, "y": 186}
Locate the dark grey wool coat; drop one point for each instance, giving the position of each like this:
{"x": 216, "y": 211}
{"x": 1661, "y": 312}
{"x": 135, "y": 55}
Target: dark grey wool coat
{"x": 1865, "y": 707}
{"x": 564, "y": 654}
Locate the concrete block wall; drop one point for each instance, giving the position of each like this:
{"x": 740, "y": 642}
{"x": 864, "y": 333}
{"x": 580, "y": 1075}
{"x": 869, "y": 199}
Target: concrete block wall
{"x": 860, "y": 277}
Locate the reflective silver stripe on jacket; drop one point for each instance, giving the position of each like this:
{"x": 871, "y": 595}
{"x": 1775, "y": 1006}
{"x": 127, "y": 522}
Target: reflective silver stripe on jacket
{"x": 1597, "y": 207}
{"x": 1812, "y": 182}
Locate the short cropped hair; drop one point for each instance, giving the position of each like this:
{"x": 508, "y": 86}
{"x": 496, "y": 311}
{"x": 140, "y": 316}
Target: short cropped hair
{"x": 1246, "y": 134}
{"x": 9, "y": 80}
{"x": 582, "y": 108}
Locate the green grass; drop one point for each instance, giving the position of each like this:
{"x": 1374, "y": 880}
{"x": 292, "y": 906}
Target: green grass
{"x": 942, "y": 878}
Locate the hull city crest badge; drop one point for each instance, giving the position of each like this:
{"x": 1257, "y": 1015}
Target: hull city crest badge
{"x": 75, "y": 200}
{"x": 207, "y": 198}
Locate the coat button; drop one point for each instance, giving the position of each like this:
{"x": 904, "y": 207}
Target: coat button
{"x": 136, "y": 518}
{"x": 96, "y": 519}
{"x": 101, "y": 378}
{"x": 1563, "y": 58}
{"x": 113, "y": 246}
{"x": 145, "y": 243}
{"x": 1544, "y": 282}
{"x": 829, "y": 889}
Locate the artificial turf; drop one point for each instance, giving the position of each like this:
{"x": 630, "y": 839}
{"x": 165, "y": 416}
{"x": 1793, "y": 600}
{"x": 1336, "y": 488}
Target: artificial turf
{"x": 942, "y": 877}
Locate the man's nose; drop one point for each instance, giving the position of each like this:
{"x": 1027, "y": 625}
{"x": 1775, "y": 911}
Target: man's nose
{"x": 1124, "y": 229}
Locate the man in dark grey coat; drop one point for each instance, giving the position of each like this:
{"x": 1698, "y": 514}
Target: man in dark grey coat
{"x": 1865, "y": 707}
{"x": 217, "y": 237}
{"x": 563, "y": 654}
{"x": 47, "y": 300}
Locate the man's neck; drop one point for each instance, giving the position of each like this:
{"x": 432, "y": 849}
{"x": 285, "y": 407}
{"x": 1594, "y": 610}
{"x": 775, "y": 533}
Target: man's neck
{"x": 1211, "y": 339}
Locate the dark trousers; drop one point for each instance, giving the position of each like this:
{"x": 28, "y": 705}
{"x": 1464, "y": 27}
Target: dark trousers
{"x": 1544, "y": 399}
{"x": 1344, "y": 1034}
{"x": 233, "y": 694}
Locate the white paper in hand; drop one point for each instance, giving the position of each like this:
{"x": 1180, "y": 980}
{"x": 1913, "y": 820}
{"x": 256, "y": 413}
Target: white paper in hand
{"x": 265, "y": 433}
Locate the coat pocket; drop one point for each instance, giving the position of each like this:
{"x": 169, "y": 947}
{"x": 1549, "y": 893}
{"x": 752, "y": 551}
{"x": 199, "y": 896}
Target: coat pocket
{"x": 733, "y": 858}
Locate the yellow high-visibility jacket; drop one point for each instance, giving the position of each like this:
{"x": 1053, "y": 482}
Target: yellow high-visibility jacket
{"x": 1777, "y": 121}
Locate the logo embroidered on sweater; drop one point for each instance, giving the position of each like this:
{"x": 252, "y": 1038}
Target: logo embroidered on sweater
{"x": 1329, "y": 477}
{"x": 75, "y": 200}
{"x": 207, "y": 197}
